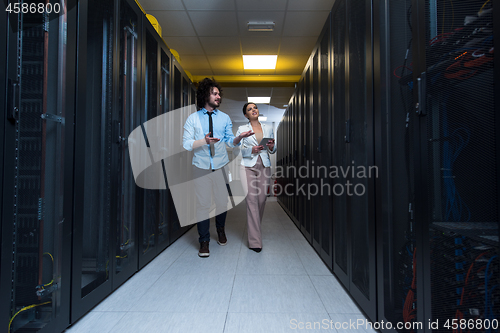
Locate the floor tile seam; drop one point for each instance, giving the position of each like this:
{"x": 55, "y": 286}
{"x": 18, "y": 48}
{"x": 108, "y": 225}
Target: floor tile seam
{"x": 335, "y": 329}
{"x": 280, "y": 312}
{"x": 287, "y": 274}
{"x": 176, "y": 312}
{"x": 318, "y": 293}
{"x": 117, "y": 322}
{"x": 305, "y": 256}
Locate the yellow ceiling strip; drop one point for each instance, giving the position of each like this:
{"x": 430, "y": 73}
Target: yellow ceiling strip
{"x": 251, "y": 78}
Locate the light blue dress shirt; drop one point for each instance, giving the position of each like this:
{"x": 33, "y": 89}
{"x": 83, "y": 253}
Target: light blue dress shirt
{"x": 196, "y": 127}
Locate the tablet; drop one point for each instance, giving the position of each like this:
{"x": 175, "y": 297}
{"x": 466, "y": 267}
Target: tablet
{"x": 264, "y": 141}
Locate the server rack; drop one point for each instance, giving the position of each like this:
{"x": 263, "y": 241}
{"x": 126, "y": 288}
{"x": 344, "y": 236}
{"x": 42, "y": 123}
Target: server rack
{"x": 396, "y": 232}
{"x": 77, "y": 84}
{"x": 36, "y": 213}
{"x": 421, "y": 247}
{"x": 150, "y": 199}
{"x": 457, "y": 209}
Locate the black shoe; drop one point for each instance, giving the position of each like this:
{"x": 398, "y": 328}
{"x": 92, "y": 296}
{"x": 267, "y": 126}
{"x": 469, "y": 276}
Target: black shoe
{"x": 204, "y": 251}
{"x": 256, "y": 249}
{"x": 222, "y": 236}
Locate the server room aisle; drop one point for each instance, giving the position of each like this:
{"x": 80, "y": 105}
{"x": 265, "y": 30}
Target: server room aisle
{"x": 284, "y": 288}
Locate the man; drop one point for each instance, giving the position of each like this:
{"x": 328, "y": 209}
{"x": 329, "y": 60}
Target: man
{"x": 206, "y": 132}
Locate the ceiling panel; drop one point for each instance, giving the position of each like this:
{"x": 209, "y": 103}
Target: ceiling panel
{"x": 261, "y": 5}
{"x": 184, "y": 45}
{"x": 203, "y": 72}
{"x": 174, "y": 23}
{"x": 218, "y": 23}
{"x": 310, "y": 5}
{"x": 259, "y": 92}
{"x": 283, "y": 92}
{"x": 209, "y": 5}
{"x": 291, "y": 64}
{"x": 235, "y": 93}
{"x": 260, "y": 45}
{"x": 304, "y": 23}
{"x": 221, "y": 45}
{"x": 149, "y": 5}
{"x": 225, "y": 62}
{"x": 260, "y": 71}
{"x": 194, "y": 63}
{"x": 297, "y": 45}
{"x": 227, "y": 71}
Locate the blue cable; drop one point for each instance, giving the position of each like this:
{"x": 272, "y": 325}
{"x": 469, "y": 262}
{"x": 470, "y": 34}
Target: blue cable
{"x": 452, "y": 146}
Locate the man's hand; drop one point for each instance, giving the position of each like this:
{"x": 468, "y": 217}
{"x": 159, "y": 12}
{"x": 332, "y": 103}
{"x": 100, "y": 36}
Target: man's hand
{"x": 210, "y": 140}
{"x": 257, "y": 149}
{"x": 241, "y": 136}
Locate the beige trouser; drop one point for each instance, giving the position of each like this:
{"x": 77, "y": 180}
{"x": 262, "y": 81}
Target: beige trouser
{"x": 257, "y": 179}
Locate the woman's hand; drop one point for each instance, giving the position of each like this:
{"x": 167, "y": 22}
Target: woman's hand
{"x": 270, "y": 144}
{"x": 257, "y": 149}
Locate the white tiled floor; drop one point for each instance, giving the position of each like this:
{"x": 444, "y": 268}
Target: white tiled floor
{"x": 285, "y": 288}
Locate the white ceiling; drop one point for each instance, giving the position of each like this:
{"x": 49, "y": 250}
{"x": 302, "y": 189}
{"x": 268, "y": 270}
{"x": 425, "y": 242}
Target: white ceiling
{"x": 211, "y": 36}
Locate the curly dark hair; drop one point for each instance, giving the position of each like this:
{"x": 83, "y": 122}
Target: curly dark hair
{"x": 245, "y": 107}
{"x": 204, "y": 89}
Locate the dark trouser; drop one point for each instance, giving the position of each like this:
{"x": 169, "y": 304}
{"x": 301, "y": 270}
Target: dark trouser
{"x": 204, "y": 226}
{"x": 206, "y": 182}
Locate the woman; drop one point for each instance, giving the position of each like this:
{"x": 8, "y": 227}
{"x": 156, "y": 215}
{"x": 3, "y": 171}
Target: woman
{"x": 256, "y": 171}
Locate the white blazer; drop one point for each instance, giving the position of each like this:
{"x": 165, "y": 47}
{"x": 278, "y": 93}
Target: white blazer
{"x": 250, "y": 159}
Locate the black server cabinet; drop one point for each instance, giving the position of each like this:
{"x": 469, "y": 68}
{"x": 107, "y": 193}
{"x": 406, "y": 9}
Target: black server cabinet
{"x": 359, "y": 184}
{"x": 180, "y": 98}
{"x": 438, "y": 147}
{"x": 322, "y": 148}
{"x": 149, "y": 199}
{"x": 325, "y": 144}
{"x": 396, "y": 232}
{"x": 341, "y": 241}
{"x": 457, "y": 208}
{"x": 105, "y": 237}
{"x": 166, "y": 205}
{"x": 36, "y": 180}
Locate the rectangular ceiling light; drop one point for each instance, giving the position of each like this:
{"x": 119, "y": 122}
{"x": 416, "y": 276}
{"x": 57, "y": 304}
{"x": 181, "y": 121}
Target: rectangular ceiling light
{"x": 262, "y": 118}
{"x": 260, "y": 100}
{"x": 260, "y": 26}
{"x": 259, "y": 61}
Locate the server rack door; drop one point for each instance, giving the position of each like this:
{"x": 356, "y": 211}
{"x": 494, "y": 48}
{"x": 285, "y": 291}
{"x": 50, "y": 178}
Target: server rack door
{"x": 314, "y": 188}
{"x": 396, "y": 265}
{"x": 296, "y": 154}
{"x": 306, "y": 155}
{"x": 360, "y": 157}
{"x": 175, "y": 227}
{"x": 341, "y": 242}
{"x": 94, "y": 142}
{"x": 36, "y": 172}
{"x": 458, "y": 138}
{"x": 125, "y": 244}
{"x": 325, "y": 147}
{"x": 148, "y": 232}
{"x": 6, "y": 246}
{"x": 166, "y": 205}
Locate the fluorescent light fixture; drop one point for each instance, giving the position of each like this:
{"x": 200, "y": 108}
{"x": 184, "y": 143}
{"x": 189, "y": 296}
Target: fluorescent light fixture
{"x": 261, "y": 100}
{"x": 259, "y": 61}
{"x": 260, "y": 26}
{"x": 262, "y": 118}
